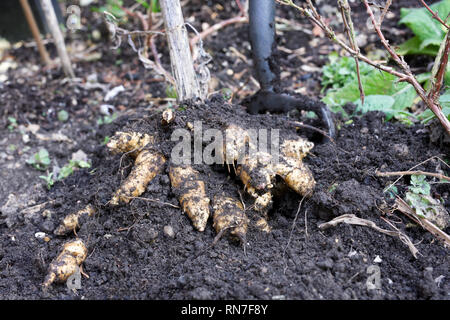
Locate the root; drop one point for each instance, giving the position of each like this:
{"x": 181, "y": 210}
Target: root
{"x": 191, "y": 194}
{"x": 229, "y": 214}
{"x": 66, "y": 263}
{"x": 71, "y": 221}
{"x": 146, "y": 166}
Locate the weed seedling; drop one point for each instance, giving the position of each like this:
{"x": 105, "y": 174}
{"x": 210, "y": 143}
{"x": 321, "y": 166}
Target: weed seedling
{"x": 48, "y": 179}
{"x": 40, "y": 160}
{"x": 12, "y": 123}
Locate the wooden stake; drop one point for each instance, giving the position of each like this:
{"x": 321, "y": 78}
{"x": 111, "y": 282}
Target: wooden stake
{"x": 35, "y": 31}
{"x": 186, "y": 82}
{"x": 52, "y": 23}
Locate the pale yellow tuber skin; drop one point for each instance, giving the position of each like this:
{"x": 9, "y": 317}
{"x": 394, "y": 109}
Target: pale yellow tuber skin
{"x": 292, "y": 170}
{"x": 132, "y": 142}
{"x": 263, "y": 225}
{"x": 296, "y": 149}
{"x": 66, "y": 263}
{"x": 146, "y": 166}
{"x": 229, "y": 214}
{"x": 257, "y": 171}
{"x": 192, "y": 194}
{"x": 70, "y": 222}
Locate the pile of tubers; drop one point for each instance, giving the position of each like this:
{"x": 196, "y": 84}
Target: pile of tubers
{"x": 257, "y": 171}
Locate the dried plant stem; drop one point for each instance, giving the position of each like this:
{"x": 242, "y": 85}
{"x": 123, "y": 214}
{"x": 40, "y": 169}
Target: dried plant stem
{"x": 52, "y": 23}
{"x": 348, "y": 24}
{"x": 35, "y": 31}
{"x": 216, "y": 27}
{"x": 186, "y": 82}
{"x": 439, "y": 69}
{"x": 385, "y": 11}
{"x": 418, "y": 172}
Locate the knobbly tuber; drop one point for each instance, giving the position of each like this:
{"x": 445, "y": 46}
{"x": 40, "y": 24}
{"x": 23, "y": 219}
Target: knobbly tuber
{"x": 71, "y": 221}
{"x": 229, "y": 214}
{"x": 191, "y": 193}
{"x": 132, "y": 142}
{"x": 262, "y": 224}
{"x": 66, "y": 263}
{"x": 146, "y": 166}
{"x": 292, "y": 170}
{"x": 258, "y": 170}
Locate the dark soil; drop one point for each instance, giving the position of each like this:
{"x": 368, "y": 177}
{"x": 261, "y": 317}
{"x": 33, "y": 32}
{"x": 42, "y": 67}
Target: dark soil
{"x": 130, "y": 256}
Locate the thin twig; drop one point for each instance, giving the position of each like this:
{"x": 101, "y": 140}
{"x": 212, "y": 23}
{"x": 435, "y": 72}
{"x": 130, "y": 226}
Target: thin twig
{"x": 439, "y": 69}
{"x": 216, "y": 27}
{"x": 413, "y": 167}
{"x": 155, "y": 201}
{"x": 348, "y": 24}
{"x": 418, "y": 172}
{"x": 385, "y": 11}
{"x": 434, "y": 14}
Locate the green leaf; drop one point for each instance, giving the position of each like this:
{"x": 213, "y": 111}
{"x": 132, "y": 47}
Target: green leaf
{"x": 419, "y": 185}
{"x": 171, "y": 92}
{"x": 143, "y": 3}
{"x": 40, "y": 160}
{"x": 65, "y": 171}
{"x": 375, "y": 83}
{"x": 413, "y": 46}
{"x": 375, "y": 102}
{"x": 155, "y": 6}
{"x": 429, "y": 33}
{"x": 79, "y": 164}
{"x": 421, "y": 22}
{"x": 444, "y": 100}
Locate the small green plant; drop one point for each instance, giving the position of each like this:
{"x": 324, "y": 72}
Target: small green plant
{"x": 146, "y": 5}
{"x": 67, "y": 170}
{"x": 392, "y": 192}
{"x": 382, "y": 90}
{"x": 419, "y": 198}
{"x": 105, "y": 140}
{"x": 428, "y": 32}
{"x": 171, "y": 92}
{"x": 40, "y": 160}
{"x": 49, "y": 180}
{"x": 112, "y": 6}
{"x": 107, "y": 119}
{"x": 12, "y": 147}
{"x": 227, "y": 93}
{"x": 12, "y": 123}
{"x": 340, "y": 71}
